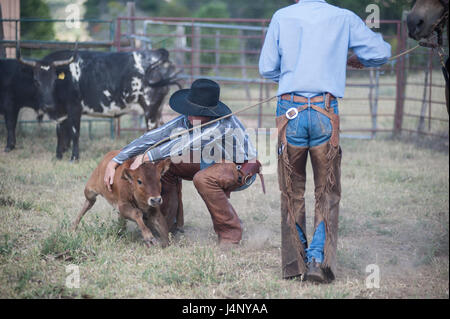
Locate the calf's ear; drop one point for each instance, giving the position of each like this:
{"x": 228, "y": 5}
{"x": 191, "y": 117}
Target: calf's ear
{"x": 164, "y": 165}
{"x": 126, "y": 175}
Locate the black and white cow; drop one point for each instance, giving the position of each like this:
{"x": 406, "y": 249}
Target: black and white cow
{"x": 108, "y": 84}
{"x": 25, "y": 83}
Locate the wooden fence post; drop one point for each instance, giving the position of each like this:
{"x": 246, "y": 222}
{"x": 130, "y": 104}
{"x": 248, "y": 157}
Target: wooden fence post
{"x": 10, "y": 10}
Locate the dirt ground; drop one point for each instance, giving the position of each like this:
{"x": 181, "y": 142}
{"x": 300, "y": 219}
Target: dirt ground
{"x": 394, "y": 215}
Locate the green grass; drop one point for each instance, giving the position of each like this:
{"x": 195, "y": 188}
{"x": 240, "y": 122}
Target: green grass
{"x": 394, "y": 213}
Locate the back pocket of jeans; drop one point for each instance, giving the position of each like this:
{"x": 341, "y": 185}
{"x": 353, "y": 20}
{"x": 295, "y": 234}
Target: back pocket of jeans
{"x": 292, "y": 126}
{"x": 324, "y": 124}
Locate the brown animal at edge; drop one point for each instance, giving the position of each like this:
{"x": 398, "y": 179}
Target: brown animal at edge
{"x": 421, "y": 20}
{"x": 135, "y": 193}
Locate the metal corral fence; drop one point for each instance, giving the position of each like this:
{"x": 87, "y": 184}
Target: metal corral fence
{"x": 406, "y": 95}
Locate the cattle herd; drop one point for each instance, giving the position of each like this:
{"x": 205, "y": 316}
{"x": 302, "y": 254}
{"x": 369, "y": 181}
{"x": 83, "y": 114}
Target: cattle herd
{"x": 67, "y": 84}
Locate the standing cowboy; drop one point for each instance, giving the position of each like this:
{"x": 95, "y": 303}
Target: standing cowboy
{"x": 305, "y": 51}
{"x": 218, "y": 157}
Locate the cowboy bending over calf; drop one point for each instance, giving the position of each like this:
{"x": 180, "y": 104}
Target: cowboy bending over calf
{"x": 218, "y": 157}
{"x": 305, "y": 51}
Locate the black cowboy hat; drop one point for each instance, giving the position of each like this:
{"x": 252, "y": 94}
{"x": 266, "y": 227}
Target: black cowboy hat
{"x": 202, "y": 99}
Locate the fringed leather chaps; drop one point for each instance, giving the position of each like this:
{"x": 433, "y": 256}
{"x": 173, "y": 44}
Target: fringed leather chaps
{"x": 171, "y": 193}
{"x": 326, "y": 163}
{"x": 326, "y": 160}
{"x": 214, "y": 184}
{"x": 293, "y": 203}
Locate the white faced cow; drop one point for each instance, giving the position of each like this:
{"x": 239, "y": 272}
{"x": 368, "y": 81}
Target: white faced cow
{"x": 107, "y": 84}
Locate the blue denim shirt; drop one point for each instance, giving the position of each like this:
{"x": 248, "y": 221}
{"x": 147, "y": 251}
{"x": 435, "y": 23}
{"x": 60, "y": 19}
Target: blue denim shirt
{"x": 307, "y": 44}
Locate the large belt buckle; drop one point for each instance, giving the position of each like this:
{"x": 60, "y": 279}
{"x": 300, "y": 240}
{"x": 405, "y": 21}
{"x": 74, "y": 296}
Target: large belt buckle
{"x": 288, "y": 113}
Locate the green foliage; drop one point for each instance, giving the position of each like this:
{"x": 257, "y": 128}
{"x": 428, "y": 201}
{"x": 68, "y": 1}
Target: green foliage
{"x": 149, "y": 5}
{"x": 257, "y": 9}
{"x": 66, "y": 246}
{"x": 262, "y": 9}
{"x": 95, "y": 8}
{"x": 173, "y": 9}
{"x": 6, "y": 245}
{"x": 216, "y": 9}
{"x": 36, "y": 30}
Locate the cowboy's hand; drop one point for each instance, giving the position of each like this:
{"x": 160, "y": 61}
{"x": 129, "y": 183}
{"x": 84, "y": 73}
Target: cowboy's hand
{"x": 108, "y": 179}
{"x": 354, "y": 62}
{"x": 138, "y": 161}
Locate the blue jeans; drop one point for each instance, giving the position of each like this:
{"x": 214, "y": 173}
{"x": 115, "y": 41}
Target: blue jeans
{"x": 310, "y": 128}
{"x": 315, "y": 249}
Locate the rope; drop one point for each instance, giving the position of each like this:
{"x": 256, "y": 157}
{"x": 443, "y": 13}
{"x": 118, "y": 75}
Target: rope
{"x": 404, "y": 53}
{"x": 412, "y": 49}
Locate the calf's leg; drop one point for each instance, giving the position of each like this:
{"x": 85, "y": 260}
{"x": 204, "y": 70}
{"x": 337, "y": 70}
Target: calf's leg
{"x": 156, "y": 222}
{"x": 90, "y": 201}
{"x": 136, "y": 215}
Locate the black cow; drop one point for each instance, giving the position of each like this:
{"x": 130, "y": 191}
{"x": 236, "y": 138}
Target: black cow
{"x": 25, "y": 83}
{"x": 107, "y": 84}
{"x": 17, "y": 90}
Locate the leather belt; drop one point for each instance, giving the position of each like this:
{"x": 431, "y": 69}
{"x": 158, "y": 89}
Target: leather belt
{"x": 302, "y": 99}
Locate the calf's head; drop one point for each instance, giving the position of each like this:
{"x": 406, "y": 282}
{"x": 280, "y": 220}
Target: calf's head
{"x": 145, "y": 183}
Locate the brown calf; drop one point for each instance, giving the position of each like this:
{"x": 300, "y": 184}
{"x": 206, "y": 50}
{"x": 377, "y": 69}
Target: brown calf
{"x": 135, "y": 193}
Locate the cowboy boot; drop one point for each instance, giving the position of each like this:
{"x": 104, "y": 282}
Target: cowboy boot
{"x": 326, "y": 164}
{"x": 291, "y": 265}
{"x": 213, "y": 184}
{"x": 315, "y": 273}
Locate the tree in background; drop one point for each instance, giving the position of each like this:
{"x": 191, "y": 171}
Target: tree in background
{"x": 258, "y": 9}
{"x": 36, "y": 30}
{"x": 149, "y": 5}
